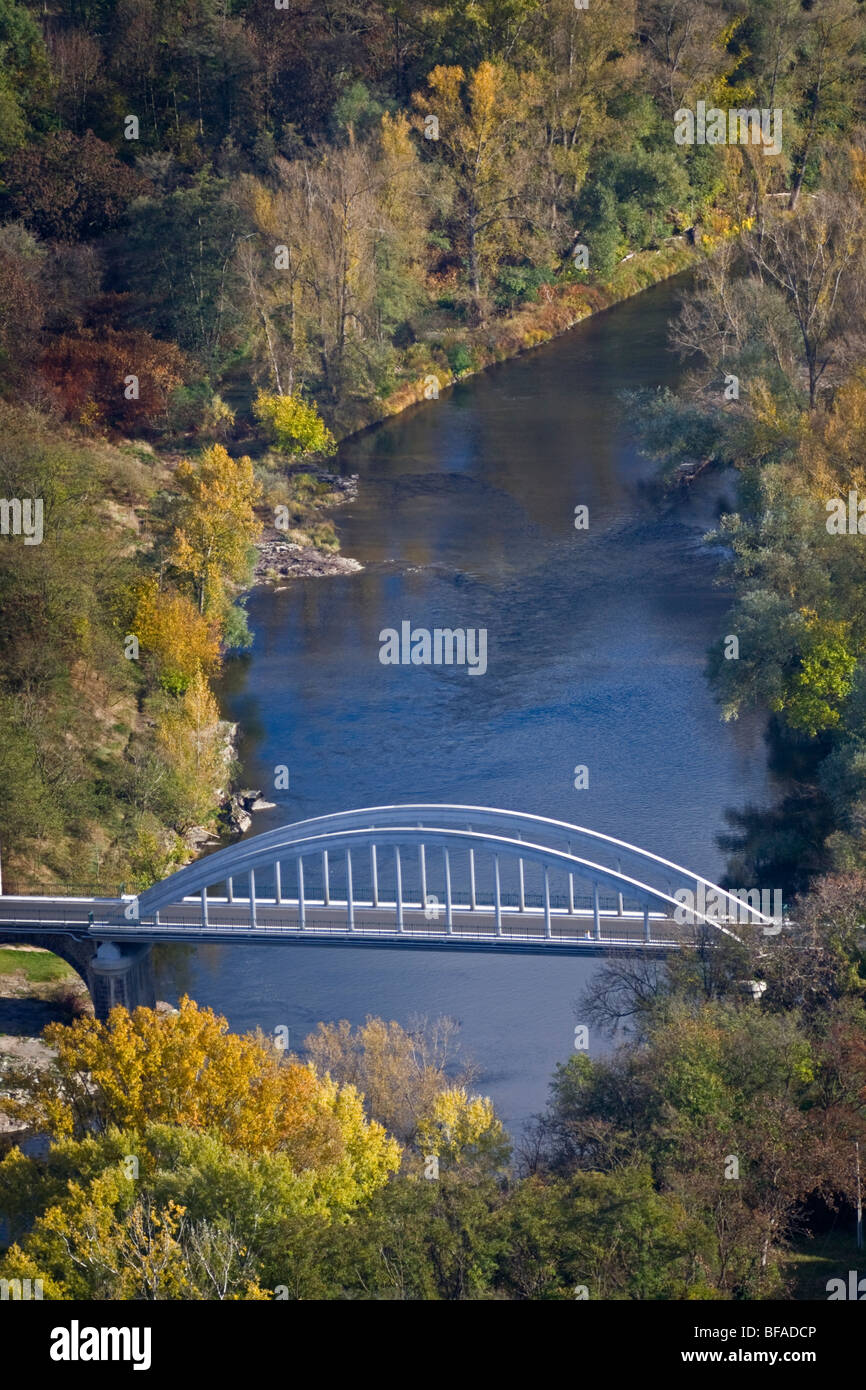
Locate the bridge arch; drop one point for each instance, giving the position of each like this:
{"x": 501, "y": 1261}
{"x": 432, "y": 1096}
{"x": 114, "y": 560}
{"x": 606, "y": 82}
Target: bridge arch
{"x": 359, "y": 837}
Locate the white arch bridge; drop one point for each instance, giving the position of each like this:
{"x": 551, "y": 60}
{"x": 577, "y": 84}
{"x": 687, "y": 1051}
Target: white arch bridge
{"x": 423, "y": 876}
{"x": 418, "y": 874}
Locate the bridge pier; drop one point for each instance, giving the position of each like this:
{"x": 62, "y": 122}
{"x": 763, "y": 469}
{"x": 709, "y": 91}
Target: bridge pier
{"x": 121, "y": 974}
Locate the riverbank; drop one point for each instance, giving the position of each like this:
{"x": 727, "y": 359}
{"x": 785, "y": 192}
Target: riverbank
{"x": 559, "y": 308}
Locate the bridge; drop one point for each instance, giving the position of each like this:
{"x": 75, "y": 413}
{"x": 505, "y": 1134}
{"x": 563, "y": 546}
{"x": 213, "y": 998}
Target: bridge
{"x": 417, "y": 876}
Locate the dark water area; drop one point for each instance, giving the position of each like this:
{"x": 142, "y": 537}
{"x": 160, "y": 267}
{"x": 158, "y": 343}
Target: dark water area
{"x": 596, "y": 649}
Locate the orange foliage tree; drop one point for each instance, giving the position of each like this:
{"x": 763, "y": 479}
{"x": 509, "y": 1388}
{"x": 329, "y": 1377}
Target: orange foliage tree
{"x": 123, "y": 379}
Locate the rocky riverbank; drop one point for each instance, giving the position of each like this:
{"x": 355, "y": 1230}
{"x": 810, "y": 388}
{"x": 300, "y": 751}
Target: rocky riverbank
{"x": 280, "y": 559}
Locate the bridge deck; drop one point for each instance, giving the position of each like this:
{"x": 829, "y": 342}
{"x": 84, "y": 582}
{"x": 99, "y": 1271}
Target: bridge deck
{"x": 279, "y": 924}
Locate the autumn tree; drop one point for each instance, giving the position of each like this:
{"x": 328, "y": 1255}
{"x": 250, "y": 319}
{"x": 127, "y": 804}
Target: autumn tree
{"x": 815, "y": 260}
{"x": 191, "y": 739}
{"x": 827, "y": 80}
{"x": 683, "y": 43}
{"x": 215, "y": 526}
{"x": 188, "y": 1069}
{"x": 482, "y": 123}
{"x": 175, "y": 639}
{"x": 295, "y": 426}
{"x": 400, "y": 1072}
{"x": 120, "y": 378}
{"x": 70, "y": 187}
{"x": 584, "y": 63}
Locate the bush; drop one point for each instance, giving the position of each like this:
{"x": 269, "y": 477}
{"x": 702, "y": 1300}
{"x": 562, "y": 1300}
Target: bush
{"x": 460, "y": 358}
{"x": 296, "y": 427}
{"x": 519, "y": 284}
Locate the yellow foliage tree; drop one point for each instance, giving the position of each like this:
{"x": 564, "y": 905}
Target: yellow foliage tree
{"x": 188, "y": 1069}
{"x": 217, "y": 525}
{"x": 400, "y": 1073}
{"x": 191, "y": 740}
{"x": 482, "y": 140}
{"x": 173, "y": 634}
{"x": 458, "y": 1123}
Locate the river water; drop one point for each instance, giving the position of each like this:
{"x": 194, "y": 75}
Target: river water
{"x": 596, "y": 645}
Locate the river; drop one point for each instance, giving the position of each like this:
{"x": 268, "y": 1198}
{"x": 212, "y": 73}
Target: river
{"x": 464, "y": 518}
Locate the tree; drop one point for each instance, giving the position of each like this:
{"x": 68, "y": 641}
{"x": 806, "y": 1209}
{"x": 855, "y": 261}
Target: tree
{"x": 482, "y": 143}
{"x": 181, "y": 246}
{"x": 24, "y": 76}
{"x": 297, "y": 428}
{"x": 187, "y": 1069}
{"x": 176, "y": 641}
{"x": 459, "y": 1126}
{"x": 192, "y": 741}
{"x": 684, "y": 42}
{"x": 823, "y": 678}
{"x": 22, "y": 298}
{"x": 400, "y": 1073}
{"x": 216, "y": 525}
{"x": 168, "y": 1211}
{"x": 827, "y": 79}
{"x": 814, "y": 258}
{"x": 583, "y": 64}
{"x": 90, "y": 377}
{"x": 70, "y": 188}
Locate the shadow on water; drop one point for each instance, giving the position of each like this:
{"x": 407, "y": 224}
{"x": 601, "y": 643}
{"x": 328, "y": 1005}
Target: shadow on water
{"x": 782, "y": 845}
{"x": 25, "y": 1018}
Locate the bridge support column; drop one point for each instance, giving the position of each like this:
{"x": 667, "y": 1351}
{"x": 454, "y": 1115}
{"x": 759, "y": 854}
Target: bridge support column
{"x": 398, "y": 868}
{"x": 449, "y": 920}
{"x": 497, "y": 901}
{"x": 350, "y": 901}
{"x": 596, "y": 918}
{"x": 646, "y": 923}
{"x": 548, "y": 930}
{"x": 120, "y": 973}
{"x": 302, "y": 915}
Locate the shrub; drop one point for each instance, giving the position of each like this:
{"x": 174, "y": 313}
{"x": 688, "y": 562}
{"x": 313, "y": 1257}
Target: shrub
{"x": 295, "y": 426}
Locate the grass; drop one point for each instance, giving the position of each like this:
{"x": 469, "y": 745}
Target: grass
{"x": 38, "y": 966}
{"x": 810, "y": 1263}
